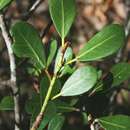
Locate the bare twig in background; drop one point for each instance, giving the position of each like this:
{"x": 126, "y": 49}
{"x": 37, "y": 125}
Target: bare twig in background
{"x": 112, "y": 101}
{"x": 120, "y": 54}
{"x": 35, "y": 5}
{"x": 32, "y": 9}
{"x": 126, "y": 89}
{"x": 127, "y": 28}
{"x": 4, "y": 83}
{"x": 13, "y": 86}
{"x": 46, "y": 30}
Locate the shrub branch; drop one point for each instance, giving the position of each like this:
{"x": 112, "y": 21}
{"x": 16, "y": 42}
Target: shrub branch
{"x": 13, "y": 86}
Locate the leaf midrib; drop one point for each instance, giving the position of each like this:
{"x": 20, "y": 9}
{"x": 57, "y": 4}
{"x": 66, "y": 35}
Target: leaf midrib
{"x": 119, "y": 73}
{"x": 58, "y": 124}
{"x": 3, "y": 3}
{"x": 70, "y": 87}
{"x": 91, "y": 49}
{"x": 62, "y": 7}
{"x": 29, "y": 45}
{"x": 113, "y": 124}
{"x": 66, "y": 108}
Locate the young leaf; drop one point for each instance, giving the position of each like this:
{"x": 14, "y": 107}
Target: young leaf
{"x": 80, "y": 81}
{"x": 52, "y": 51}
{"x": 103, "y": 44}
{"x": 56, "y": 123}
{"x": 118, "y": 122}
{"x": 4, "y": 3}
{"x": 27, "y": 43}
{"x": 48, "y": 115}
{"x": 66, "y": 70}
{"x": 99, "y": 74}
{"x": 62, "y": 13}
{"x": 67, "y": 56}
{"x": 7, "y": 103}
{"x": 121, "y": 72}
{"x": 85, "y": 118}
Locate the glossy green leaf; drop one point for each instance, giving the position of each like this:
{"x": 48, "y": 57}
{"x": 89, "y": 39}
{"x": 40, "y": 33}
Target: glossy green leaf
{"x": 52, "y": 51}
{"x": 118, "y": 122}
{"x": 27, "y": 43}
{"x": 103, "y": 44}
{"x": 62, "y": 13}
{"x": 81, "y": 81}
{"x": 56, "y": 123}
{"x": 7, "y": 103}
{"x": 48, "y": 115}
{"x": 4, "y": 3}
{"x": 67, "y": 56}
{"x": 121, "y": 72}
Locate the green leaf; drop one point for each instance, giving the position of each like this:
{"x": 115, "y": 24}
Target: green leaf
{"x": 4, "y": 3}
{"x": 27, "y": 43}
{"x": 66, "y": 70}
{"x": 81, "y": 81}
{"x": 97, "y": 88}
{"x": 103, "y": 44}
{"x": 44, "y": 87}
{"x": 62, "y": 13}
{"x": 85, "y": 118}
{"x": 99, "y": 74}
{"x": 103, "y": 85}
{"x": 64, "y": 107}
{"x": 52, "y": 51}
{"x": 118, "y": 122}
{"x": 48, "y": 115}
{"x": 7, "y": 103}
{"x": 34, "y": 115}
{"x": 33, "y": 103}
{"x": 56, "y": 123}
{"x": 44, "y": 84}
{"x": 121, "y": 72}
{"x": 67, "y": 56}
{"x": 33, "y": 71}
{"x": 74, "y": 101}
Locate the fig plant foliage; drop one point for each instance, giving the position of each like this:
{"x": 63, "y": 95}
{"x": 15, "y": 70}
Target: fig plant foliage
{"x": 60, "y": 91}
